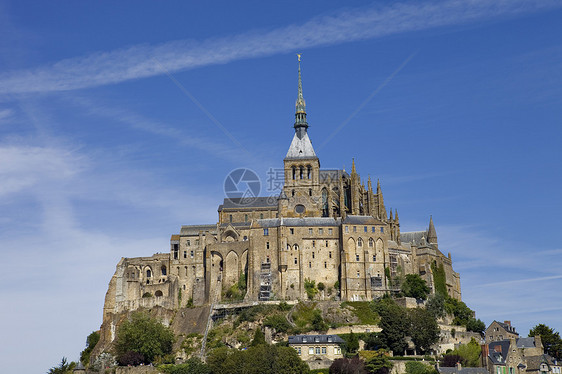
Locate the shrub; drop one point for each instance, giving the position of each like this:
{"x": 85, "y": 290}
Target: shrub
{"x": 277, "y": 322}
{"x": 131, "y": 359}
{"x": 310, "y": 288}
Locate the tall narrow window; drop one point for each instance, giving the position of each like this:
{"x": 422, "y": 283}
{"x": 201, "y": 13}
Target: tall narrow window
{"x": 230, "y": 218}
{"x": 301, "y": 171}
{"x": 294, "y": 172}
{"x": 267, "y": 245}
{"x": 308, "y": 172}
{"x": 245, "y": 218}
{"x": 265, "y": 232}
{"x": 261, "y": 215}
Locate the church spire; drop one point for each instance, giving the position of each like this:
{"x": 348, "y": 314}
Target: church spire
{"x": 300, "y": 108}
{"x": 431, "y": 233}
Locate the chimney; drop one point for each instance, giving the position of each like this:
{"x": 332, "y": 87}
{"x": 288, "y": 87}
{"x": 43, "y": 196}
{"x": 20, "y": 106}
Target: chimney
{"x": 538, "y": 342}
{"x": 507, "y": 323}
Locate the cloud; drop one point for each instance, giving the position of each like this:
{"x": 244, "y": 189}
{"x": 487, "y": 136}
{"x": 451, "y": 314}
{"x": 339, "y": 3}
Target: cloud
{"x": 5, "y": 114}
{"x": 22, "y": 167}
{"x": 141, "y": 61}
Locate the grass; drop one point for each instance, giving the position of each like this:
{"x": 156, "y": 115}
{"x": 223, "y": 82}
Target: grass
{"x": 362, "y": 310}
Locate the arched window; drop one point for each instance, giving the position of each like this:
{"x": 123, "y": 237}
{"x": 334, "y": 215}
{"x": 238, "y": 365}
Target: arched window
{"x": 310, "y": 192}
{"x": 371, "y": 242}
{"x": 296, "y": 247}
{"x": 301, "y": 170}
{"x": 163, "y": 270}
{"x": 148, "y": 273}
{"x": 359, "y": 242}
{"x": 158, "y": 293}
{"x": 294, "y": 172}
{"x": 308, "y": 172}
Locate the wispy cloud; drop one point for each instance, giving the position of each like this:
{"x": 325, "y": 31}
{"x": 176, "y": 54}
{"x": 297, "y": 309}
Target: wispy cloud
{"x": 139, "y": 61}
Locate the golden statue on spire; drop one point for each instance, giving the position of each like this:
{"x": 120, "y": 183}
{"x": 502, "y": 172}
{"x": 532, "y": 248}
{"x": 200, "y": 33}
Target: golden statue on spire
{"x": 299, "y": 56}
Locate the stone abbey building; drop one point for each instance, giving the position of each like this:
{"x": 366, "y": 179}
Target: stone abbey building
{"x": 325, "y": 226}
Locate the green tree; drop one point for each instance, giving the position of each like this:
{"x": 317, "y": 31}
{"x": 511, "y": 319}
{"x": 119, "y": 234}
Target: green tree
{"x": 416, "y": 367}
{"x": 394, "y": 324}
{"x": 436, "y": 305}
{"x": 318, "y": 323}
{"x": 476, "y": 325}
{"x": 415, "y": 286}
{"x": 423, "y": 330}
{"x": 550, "y": 340}
{"x": 145, "y": 335}
{"x": 377, "y": 362}
{"x": 191, "y": 366}
{"x": 467, "y": 354}
{"x": 64, "y": 367}
{"x": 91, "y": 342}
{"x": 259, "y": 338}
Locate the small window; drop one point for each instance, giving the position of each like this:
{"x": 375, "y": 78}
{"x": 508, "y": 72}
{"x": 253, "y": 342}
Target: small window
{"x": 330, "y": 254}
{"x": 314, "y": 244}
{"x": 374, "y": 258}
{"x": 320, "y": 231}
{"x": 191, "y": 254}
{"x": 371, "y": 242}
{"x": 330, "y": 339}
{"x": 296, "y": 247}
{"x": 292, "y": 231}
{"x": 245, "y": 238}
{"x": 325, "y": 265}
{"x": 310, "y": 232}
{"x": 295, "y": 260}
{"x": 197, "y": 242}
{"x": 330, "y": 231}
{"x": 326, "y": 243}
{"x": 365, "y": 229}
{"x": 230, "y": 218}
{"x": 245, "y": 218}
{"x": 261, "y": 215}
{"x": 323, "y": 350}
{"x": 337, "y": 350}
{"x": 184, "y": 254}
{"x": 356, "y": 257}
{"x": 267, "y": 245}
{"x": 293, "y": 193}
{"x": 304, "y": 339}
{"x": 373, "y": 229}
{"x": 382, "y": 229}
{"x": 317, "y": 350}
{"x": 310, "y": 192}
{"x": 346, "y": 228}
{"x": 358, "y": 274}
{"x": 311, "y": 350}
{"x": 310, "y": 265}
{"x": 265, "y": 232}
{"x": 188, "y": 243}
{"x": 360, "y": 242}
{"x": 354, "y": 228}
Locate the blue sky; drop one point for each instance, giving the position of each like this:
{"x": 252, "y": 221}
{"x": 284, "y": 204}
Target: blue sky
{"x": 120, "y": 121}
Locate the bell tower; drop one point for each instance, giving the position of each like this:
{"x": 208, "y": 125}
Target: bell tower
{"x": 302, "y": 167}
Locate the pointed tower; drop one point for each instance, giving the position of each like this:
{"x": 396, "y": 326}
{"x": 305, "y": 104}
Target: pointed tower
{"x": 431, "y": 233}
{"x": 380, "y": 200}
{"x": 355, "y": 182}
{"x": 302, "y": 167}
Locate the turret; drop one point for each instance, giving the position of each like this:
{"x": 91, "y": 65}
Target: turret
{"x": 431, "y": 233}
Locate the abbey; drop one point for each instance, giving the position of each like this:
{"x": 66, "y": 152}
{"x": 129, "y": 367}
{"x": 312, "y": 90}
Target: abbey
{"x": 325, "y": 227}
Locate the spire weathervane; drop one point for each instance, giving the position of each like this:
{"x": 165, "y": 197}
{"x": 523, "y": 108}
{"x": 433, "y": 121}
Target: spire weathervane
{"x": 300, "y": 113}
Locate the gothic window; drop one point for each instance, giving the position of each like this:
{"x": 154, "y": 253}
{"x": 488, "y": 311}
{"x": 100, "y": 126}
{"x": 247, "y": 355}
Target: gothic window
{"x": 308, "y": 172}
{"x": 301, "y": 171}
{"x": 324, "y": 202}
{"x": 176, "y": 251}
{"x": 148, "y": 273}
{"x": 296, "y": 247}
{"x": 326, "y": 243}
{"x": 371, "y": 242}
{"x": 359, "y": 242}
{"x": 163, "y": 270}
{"x": 294, "y": 172}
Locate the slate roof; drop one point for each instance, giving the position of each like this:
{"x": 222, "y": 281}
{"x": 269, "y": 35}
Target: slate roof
{"x": 305, "y": 221}
{"x": 414, "y": 237}
{"x": 526, "y": 343}
{"x": 301, "y": 148}
{"x": 189, "y": 230}
{"x": 269, "y": 202}
{"x": 463, "y": 370}
{"x": 307, "y": 339}
{"x": 507, "y": 327}
{"x": 361, "y": 220}
{"x": 498, "y": 351}
{"x": 534, "y": 362}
